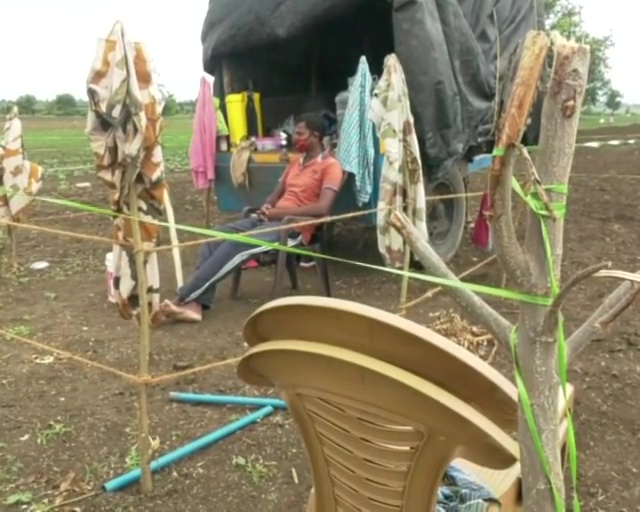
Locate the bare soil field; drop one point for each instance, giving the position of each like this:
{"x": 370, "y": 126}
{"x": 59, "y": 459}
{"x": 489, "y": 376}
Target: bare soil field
{"x": 66, "y": 428}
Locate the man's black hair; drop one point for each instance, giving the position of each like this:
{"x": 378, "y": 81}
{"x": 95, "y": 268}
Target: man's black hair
{"x": 314, "y": 123}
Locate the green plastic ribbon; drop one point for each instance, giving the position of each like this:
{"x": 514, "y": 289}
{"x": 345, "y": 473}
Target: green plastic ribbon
{"x": 500, "y": 293}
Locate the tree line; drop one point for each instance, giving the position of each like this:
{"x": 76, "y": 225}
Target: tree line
{"x": 68, "y": 105}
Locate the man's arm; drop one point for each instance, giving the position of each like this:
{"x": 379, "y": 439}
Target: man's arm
{"x": 320, "y": 208}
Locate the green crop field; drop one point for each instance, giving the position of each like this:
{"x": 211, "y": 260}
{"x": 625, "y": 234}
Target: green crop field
{"x": 592, "y": 121}
{"x": 60, "y": 145}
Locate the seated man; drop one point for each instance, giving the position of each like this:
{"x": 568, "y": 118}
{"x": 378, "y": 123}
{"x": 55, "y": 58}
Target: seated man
{"x": 307, "y": 188}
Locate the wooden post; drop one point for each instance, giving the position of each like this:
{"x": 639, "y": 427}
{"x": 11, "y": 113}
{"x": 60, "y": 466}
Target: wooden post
{"x": 144, "y": 440}
{"x": 12, "y": 233}
{"x": 208, "y": 206}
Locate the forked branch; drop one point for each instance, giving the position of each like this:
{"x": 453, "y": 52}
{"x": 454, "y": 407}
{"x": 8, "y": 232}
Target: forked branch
{"x": 477, "y": 310}
{"x": 598, "y": 323}
{"x": 577, "y": 278}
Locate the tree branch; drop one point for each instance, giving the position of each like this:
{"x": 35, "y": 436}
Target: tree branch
{"x": 598, "y": 323}
{"x": 580, "y": 276}
{"x": 478, "y": 310}
{"x": 508, "y": 249}
{"x": 512, "y": 126}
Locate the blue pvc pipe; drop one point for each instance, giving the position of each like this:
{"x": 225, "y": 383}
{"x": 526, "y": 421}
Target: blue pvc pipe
{"x": 131, "y": 477}
{"x": 202, "y": 398}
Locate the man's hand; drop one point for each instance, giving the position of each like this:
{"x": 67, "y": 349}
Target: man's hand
{"x": 275, "y": 214}
{"x": 263, "y": 212}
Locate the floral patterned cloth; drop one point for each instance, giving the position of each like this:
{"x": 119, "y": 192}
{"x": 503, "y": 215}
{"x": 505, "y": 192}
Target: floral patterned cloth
{"x": 20, "y": 179}
{"x": 401, "y": 182}
{"x": 124, "y": 124}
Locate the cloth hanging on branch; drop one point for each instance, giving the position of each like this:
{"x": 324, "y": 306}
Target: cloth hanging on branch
{"x": 20, "y": 179}
{"x": 356, "y": 151}
{"x": 124, "y": 124}
{"x": 202, "y": 150}
{"x": 401, "y": 181}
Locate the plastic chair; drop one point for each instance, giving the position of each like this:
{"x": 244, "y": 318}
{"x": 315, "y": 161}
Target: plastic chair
{"x": 286, "y": 260}
{"x": 379, "y": 438}
{"x": 413, "y": 348}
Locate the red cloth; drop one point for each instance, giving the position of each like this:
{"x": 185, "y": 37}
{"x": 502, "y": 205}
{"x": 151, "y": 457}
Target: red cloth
{"x": 481, "y": 235}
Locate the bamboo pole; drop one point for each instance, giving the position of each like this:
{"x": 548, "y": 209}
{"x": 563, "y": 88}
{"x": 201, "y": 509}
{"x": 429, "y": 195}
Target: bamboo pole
{"x": 12, "y": 233}
{"x": 144, "y": 440}
{"x": 208, "y": 207}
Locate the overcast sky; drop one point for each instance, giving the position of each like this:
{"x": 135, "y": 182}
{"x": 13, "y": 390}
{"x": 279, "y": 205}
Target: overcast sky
{"x": 64, "y": 33}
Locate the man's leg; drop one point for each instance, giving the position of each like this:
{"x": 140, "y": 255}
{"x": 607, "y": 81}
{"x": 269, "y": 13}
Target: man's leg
{"x": 239, "y": 226}
{"x": 206, "y": 253}
{"x": 218, "y": 262}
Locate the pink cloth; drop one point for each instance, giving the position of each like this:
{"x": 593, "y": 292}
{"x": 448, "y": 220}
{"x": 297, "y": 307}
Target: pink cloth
{"x": 202, "y": 151}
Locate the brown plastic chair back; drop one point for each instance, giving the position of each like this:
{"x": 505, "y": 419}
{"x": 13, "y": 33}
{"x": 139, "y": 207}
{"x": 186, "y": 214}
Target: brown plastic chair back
{"x": 393, "y": 339}
{"x": 378, "y": 437}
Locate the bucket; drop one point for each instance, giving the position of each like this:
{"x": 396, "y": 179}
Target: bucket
{"x": 237, "y": 115}
{"x": 108, "y": 263}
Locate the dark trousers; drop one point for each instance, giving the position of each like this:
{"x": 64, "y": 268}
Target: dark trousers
{"x": 219, "y": 258}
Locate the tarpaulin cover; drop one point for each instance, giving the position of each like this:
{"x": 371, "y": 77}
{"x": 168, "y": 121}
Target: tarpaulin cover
{"x": 448, "y": 49}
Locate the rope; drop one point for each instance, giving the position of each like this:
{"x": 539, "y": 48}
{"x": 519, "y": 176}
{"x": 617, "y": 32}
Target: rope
{"x": 433, "y": 292}
{"x": 60, "y": 217}
{"x": 331, "y": 218}
{"x": 71, "y": 234}
{"x": 313, "y": 222}
{"x": 135, "y": 379}
{"x": 69, "y": 355}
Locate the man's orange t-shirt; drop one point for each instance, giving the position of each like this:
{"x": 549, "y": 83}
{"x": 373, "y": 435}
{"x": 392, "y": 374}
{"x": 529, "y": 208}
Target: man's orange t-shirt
{"x": 303, "y": 184}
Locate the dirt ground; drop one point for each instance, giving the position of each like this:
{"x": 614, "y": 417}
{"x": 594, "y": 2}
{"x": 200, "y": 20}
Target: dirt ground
{"x": 66, "y": 428}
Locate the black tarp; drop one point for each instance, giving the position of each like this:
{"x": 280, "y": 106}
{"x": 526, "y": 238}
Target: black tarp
{"x": 448, "y": 49}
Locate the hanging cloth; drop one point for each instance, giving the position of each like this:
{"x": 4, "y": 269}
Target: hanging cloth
{"x": 202, "y": 151}
{"x": 356, "y": 151}
{"x": 401, "y": 181}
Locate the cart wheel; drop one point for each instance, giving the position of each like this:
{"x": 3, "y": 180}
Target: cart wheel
{"x": 446, "y": 218}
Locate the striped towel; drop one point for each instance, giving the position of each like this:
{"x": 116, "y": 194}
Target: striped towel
{"x": 355, "y": 146}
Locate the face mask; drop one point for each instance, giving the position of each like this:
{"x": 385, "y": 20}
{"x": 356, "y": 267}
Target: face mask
{"x": 302, "y": 145}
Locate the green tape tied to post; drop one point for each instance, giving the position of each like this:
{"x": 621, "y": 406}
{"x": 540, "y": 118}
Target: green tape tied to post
{"x": 546, "y": 210}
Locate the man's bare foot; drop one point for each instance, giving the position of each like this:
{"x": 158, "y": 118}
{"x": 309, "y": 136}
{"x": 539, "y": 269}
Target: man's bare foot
{"x": 190, "y": 312}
